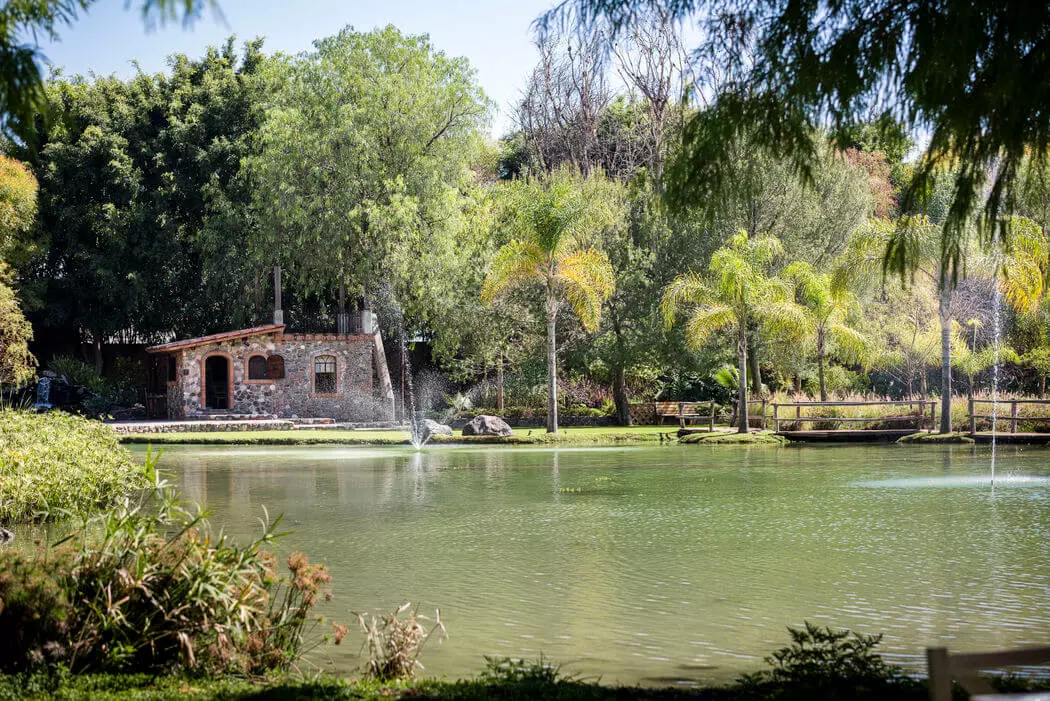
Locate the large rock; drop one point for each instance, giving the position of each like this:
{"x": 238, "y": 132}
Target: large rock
{"x": 487, "y": 426}
{"x": 430, "y": 428}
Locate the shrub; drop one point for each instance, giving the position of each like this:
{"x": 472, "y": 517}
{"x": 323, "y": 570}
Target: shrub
{"x": 78, "y": 373}
{"x": 822, "y": 663}
{"x": 148, "y": 587}
{"x": 395, "y": 642}
{"x": 55, "y": 462}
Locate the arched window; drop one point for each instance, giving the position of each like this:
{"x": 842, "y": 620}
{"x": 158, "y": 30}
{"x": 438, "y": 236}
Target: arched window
{"x": 324, "y": 374}
{"x": 257, "y": 368}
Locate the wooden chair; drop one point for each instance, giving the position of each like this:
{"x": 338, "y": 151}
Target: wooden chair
{"x": 964, "y": 668}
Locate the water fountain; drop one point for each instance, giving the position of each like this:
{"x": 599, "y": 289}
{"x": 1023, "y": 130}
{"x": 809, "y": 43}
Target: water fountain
{"x": 43, "y": 394}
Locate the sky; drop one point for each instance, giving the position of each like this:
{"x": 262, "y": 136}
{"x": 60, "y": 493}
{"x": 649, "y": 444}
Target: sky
{"x": 494, "y": 35}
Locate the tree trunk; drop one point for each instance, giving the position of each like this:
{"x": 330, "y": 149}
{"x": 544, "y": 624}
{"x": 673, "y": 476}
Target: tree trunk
{"x": 756, "y": 372}
{"x": 552, "y": 367}
{"x": 623, "y": 412}
{"x": 499, "y": 381}
{"x": 1042, "y": 386}
{"x": 820, "y": 366}
{"x": 946, "y": 367}
{"x": 98, "y": 352}
{"x": 742, "y": 403}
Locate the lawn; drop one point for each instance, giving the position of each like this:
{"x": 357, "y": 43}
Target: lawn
{"x": 586, "y": 435}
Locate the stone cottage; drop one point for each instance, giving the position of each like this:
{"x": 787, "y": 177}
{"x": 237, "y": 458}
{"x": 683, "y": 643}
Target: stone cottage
{"x": 263, "y": 371}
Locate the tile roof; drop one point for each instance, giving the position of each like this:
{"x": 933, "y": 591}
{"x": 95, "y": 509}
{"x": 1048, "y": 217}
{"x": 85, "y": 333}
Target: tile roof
{"x": 216, "y": 338}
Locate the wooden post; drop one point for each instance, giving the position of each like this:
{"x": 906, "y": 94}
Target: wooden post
{"x": 1013, "y": 417}
{"x": 681, "y": 414}
{"x": 939, "y": 669}
{"x": 973, "y": 419}
{"x": 764, "y": 425}
{"x": 933, "y": 416}
{"x": 776, "y": 418}
{"x": 711, "y": 416}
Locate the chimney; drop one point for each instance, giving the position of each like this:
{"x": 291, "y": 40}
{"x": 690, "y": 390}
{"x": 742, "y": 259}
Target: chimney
{"x": 278, "y": 313}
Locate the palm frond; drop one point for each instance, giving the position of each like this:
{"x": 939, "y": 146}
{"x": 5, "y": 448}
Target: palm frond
{"x": 705, "y": 321}
{"x": 587, "y": 279}
{"x": 516, "y": 263}
{"x": 685, "y": 290}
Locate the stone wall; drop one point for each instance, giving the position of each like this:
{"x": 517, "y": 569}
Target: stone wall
{"x": 293, "y": 395}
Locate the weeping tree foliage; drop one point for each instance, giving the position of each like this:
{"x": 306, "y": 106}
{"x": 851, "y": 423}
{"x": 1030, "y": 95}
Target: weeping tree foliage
{"x": 365, "y": 148}
{"x": 23, "y": 22}
{"x": 738, "y": 295}
{"x": 555, "y": 219}
{"x": 1017, "y": 266}
{"x": 972, "y": 75}
{"x": 829, "y": 310}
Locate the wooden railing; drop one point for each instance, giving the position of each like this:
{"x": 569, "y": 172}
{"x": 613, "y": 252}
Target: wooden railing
{"x": 1013, "y": 418}
{"x": 919, "y": 417}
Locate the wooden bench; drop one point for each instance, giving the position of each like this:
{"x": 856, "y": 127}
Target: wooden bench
{"x": 685, "y": 411}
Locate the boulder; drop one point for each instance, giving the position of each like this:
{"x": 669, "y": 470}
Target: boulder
{"x": 487, "y": 426}
{"x": 430, "y": 428}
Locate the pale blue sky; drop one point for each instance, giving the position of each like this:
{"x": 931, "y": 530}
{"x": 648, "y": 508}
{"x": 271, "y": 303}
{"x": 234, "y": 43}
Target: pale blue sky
{"x": 495, "y": 36}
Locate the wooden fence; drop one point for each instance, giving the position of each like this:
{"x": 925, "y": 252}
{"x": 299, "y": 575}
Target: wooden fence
{"x": 919, "y": 416}
{"x": 1013, "y": 417}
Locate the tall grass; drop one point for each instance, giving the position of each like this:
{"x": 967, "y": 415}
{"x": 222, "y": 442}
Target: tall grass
{"x": 55, "y": 462}
{"x": 149, "y": 586}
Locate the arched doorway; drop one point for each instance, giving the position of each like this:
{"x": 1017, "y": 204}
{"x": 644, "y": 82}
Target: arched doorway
{"x": 217, "y": 382}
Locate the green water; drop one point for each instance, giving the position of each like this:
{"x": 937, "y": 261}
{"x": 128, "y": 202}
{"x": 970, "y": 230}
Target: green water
{"x": 661, "y": 564}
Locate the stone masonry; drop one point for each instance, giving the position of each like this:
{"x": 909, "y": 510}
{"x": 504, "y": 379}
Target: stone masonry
{"x": 295, "y": 394}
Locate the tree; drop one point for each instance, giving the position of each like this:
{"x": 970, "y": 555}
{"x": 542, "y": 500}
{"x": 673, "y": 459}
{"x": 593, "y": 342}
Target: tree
{"x": 365, "y": 149}
{"x": 738, "y": 295}
{"x": 143, "y": 203}
{"x": 16, "y": 362}
{"x": 1019, "y": 270}
{"x": 554, "y": 217}
{"x": 22, "y": 93}
{"x": 18, "y": 190}
{"x": 951, "y": 69}
{"x": 829, "y": 310}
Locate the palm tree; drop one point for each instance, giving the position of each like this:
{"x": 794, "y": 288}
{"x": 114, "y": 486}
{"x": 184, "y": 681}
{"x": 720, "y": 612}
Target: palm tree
{"x": 829, "y": 310}
{"x": 737, "y": 295}
{"x": 552, "y": 216}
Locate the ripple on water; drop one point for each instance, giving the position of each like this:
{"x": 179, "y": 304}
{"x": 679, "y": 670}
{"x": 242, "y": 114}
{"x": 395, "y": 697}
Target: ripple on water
{"x": 959, "y": 481}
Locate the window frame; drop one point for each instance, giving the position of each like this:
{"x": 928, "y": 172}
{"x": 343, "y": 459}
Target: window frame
{"x": 265, "y": 379}
{"x": 334, "y": 373}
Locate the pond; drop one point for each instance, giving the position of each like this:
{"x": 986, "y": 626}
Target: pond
{"x": 656, "y": 565}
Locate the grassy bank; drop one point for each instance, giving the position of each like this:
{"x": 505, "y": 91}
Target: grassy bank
{"x": 601, "y": 435}
{"x": 59, "y": 462}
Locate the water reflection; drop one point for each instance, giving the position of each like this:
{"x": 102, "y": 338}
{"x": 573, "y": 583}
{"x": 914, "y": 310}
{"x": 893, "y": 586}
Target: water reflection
{"x": 666, "y": 563}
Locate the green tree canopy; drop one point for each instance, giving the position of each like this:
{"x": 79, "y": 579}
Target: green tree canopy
{"x": 365, "y": 148}
{"x": 972, "y": 75}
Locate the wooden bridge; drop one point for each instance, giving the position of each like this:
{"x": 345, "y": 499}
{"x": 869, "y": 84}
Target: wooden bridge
{"x": 919, "y": 415}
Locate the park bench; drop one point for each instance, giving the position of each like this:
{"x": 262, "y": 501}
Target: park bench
{"x": 686, "y": 411}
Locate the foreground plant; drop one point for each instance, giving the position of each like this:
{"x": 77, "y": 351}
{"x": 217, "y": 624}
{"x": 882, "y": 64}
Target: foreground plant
{"x": 395, "y": 641}
{"x": 149, "y": 587}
